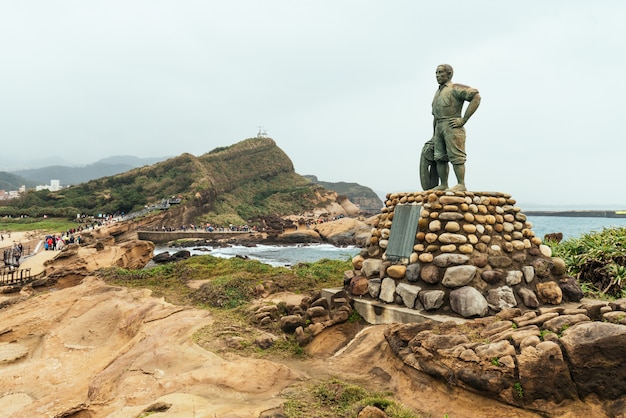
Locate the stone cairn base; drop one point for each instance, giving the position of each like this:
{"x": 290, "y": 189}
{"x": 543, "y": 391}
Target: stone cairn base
{"x": 474, "y": 254}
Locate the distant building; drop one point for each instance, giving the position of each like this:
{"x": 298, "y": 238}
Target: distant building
{"x": 12, "y": 194}
{"x": 54, "y": 186}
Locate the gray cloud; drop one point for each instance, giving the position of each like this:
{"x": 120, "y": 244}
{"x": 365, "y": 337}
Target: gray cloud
{"x": 343, "y": 87}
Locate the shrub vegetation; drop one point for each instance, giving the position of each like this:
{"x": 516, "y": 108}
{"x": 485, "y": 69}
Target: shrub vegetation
{"x": 597, "y": 260}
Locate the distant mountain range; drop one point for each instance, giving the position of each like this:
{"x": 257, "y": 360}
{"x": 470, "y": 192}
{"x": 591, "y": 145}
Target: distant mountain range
{"x": 71, "y": 175}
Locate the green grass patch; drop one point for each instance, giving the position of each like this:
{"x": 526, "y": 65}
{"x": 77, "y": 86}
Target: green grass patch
{"x": 543, "y": 333}
{"x": 323, "y": 273}
{"x": 336, "y": 398}
{"x": 30, "y": 224}
{"x": 229, "y": 285}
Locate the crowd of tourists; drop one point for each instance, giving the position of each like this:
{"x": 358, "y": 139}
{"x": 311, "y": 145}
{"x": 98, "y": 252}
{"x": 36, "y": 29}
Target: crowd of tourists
{"x": 12, "y": 255}
{"x": 57, "y": 242}
{"x": 209, "y": 227}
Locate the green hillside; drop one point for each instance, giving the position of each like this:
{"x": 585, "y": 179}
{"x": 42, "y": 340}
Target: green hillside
{"x": 239, "y": 182}
{"x": 10, "y": 181}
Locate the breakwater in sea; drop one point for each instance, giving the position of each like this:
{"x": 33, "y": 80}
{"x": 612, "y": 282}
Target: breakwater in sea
{"x": 580, "y": 213}
{"x": 166, "y": 236}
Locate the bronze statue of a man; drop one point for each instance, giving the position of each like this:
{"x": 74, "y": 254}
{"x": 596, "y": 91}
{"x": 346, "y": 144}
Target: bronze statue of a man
{"x": 448, "y": 142}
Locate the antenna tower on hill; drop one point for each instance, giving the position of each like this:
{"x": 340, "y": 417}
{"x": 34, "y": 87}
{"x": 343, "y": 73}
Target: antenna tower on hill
{"x": 262, "y": 133}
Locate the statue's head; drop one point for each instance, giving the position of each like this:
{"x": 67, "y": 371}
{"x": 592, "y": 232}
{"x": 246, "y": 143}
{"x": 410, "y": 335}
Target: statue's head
{"x": 444, "y": 73}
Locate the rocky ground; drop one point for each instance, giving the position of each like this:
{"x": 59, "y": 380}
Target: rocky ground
{"x": 82, "y": 348}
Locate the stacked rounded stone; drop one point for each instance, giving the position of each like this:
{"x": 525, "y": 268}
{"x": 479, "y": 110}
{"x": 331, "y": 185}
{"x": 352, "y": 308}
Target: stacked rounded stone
{"x": 473, "y": 252}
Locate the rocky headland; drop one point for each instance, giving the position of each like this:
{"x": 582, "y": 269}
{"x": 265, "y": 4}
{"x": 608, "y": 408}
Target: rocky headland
{"x": 76, "y": 346}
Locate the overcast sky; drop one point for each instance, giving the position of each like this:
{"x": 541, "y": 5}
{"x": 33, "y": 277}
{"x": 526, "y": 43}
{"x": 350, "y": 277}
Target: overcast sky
{"x": 343, "y": 87}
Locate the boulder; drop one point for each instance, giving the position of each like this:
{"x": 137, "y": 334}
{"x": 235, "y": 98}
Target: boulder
{"x": 529, "y": 273}
{"x": 397, "y": 271}
{"x": 528, "y": 297}
{"x": 163, "y": 257}
{"x": 495, "y": 350}
{"x": 430, "y": 274}
{"x": 432, "y": 299}
{"x": 342, "y": 231}
{"x": 358, "y": 286}
{"x": 357, "y": 261}
{"x": 468, "y": 302}
{"x": 558, "y": 266}
{"x": 542, "y": 267}
{"x": 180, "y": 255}
{"x": 446, "y": 260}
{"x": 299, "y": 236}
{"x": 562, "y": 322}
{"x": 595, "y": 351}
{"x": 571, "y": 289}
{"x": 544, "y": 374}
{"x": 514, "y": 277}
{"x": 84, "y": 260}
{"x": 289, "y": 323}
{"x": 371, "y": 412}
{"x": 458, "y": 276}
{"x": 492, "y": 276}
{"x": 413, "y": 272}
{"x": 501, "y": 298}
{"x": 371, "y": 267}
{"x": 387, "y": 290}
{"x": 549, "y": 292}
{"x": 316, "y": 312}
{"x": 408, "y": 293}
{"x": 373, "y": 287}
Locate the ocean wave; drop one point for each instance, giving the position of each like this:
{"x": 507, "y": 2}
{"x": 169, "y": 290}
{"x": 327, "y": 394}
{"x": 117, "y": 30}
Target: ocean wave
{"x": 274, "y": 255}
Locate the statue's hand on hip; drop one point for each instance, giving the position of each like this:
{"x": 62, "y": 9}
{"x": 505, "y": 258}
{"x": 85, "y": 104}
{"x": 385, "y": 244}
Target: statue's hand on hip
{"x": 456, "y": 122}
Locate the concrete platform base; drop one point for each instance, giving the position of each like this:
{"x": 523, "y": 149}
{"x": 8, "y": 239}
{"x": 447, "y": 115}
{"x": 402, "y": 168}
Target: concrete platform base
{"x": 375, "y": 312}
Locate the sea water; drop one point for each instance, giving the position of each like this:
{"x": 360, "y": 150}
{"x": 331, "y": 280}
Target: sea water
{"x": 274, "y": 255}
{"x": 289, "y": 255}
{"x": 573, "y": 227}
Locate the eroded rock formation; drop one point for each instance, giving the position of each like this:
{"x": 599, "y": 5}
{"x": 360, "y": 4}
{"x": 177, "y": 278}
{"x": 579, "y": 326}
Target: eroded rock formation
{"x": 538, "y": 359}
{"x": 94, "y": 350}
